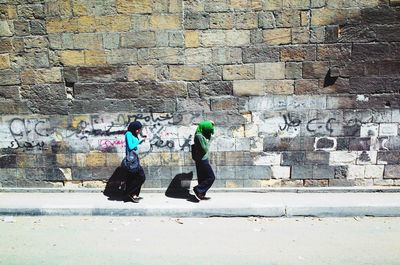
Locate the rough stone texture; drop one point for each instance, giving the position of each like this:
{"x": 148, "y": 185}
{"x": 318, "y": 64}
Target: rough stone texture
{"x": 303, "y": 93}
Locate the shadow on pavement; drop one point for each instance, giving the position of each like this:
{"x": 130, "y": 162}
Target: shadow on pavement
{"x": 179, "y": 188}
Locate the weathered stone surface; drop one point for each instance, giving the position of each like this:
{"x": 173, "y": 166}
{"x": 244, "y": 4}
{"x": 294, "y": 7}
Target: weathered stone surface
{"x": 270, "y": 71}
{"x": 277, "y": 36}
{"x": 293, "y": 158}
{"x": 298, "y": 53}
{"x": 188, "y": 73}
{"x": 5, "y": 30}
{"x": 293, "y": 70}
{"x": 392, "y": 172}
{"x": 331, "y": 52}
{"x": 248, "y": 88}
{"x": 197, "y": 20}
{"x": 260, "y": 54}
{"x": 101, "y": 74}
{"x": 192, "y": 39}
{"x": 238, "y": 72}
{"x": 221, "y": 21}
{"x": 216, "y": 89}
{"x": 12, "y": 78}
{"x": 224, "y": 104}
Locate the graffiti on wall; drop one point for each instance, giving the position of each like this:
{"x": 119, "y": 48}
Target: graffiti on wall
{"x": 31, "y": 133}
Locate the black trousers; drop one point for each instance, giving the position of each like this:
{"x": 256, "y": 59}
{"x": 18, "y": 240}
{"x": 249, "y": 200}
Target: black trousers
{"x": 134, "y": 182}
{"x": 205, "y": 176}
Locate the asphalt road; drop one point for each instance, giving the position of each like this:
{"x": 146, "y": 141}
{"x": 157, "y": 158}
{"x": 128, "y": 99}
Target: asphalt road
{"x": 152, "y": 241}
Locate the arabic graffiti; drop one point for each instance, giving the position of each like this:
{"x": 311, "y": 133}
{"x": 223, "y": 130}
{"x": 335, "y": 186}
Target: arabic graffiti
{"x": 107, "y": 131}
{"x": 314, "y": 126}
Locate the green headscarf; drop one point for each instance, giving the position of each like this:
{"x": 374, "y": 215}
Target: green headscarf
{"x": 206, "y": 128}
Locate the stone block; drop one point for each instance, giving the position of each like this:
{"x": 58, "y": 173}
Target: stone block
{"x": 298, "y": 53}
{"x": 192, "y": 39}
{"x": 306, "y": 86}
{"x": 12, "y": 78}
{"x": 6, "y": 45}
{"x": 221, "y": 21}
{"x": 5, "y": 61}
{"x": 367, "y": 157}
{"x": 246, "y": 20}
{"x": 8, "y": 11}
{"x": 221, "y": 88}
{"x": 248, "y": 88}
{"x": 260, "y": 104}
{"x": 270, "y": 70}
{"x": 272, "y": 5}
{"x": 41, "y": 76}
{"x": 238, "y": 72}
{"x": 227, "y": 55}
{"x": 266, "y": 20}
{"x": 253, "y": 172}
{"x": 355, "y": 172}
{"x": 374, "y": 171}
{"x": 198, "y": 20}
{"x": 323, "y": 172}
{"x": 213, "y": 38}
{"x": 302, "y": 172}
{"x": 187, "y": 73}
{"x": 134, "y": 6}
{"x": 277, "y": 36}
{"x": 339, "y": 158}
{"x": 121, "y": 56}
{"x": 347, "y": 183}
{"x": 161, "y": 55}
{"x": 224, "y": 104}
{"x": 237, "y": 38}
{"x": 392, "y": 172}
{"x": 300, "y": 35}
{"x": 198, "y": 56}
{"x": 335, "y": 52}
{"x": 279, "y": 87}
{"x": 317, "y": 158}
{"x": 267, "y": 159}
{"x": 212, "y": 72}
{"x": 9, "y": 92}
{"x": 287, "y": 18}
{"x": 5, "y": 30}
{"x": 95, "y": 58}
{"x": 237, "y": 158}
{"x": 293, "y": 158}
{"x": 140, "y": 39}
{"x": 260, "y": 54}
{"x": 296, "y": 103}
{"x": 142, "y": 72}
{"x": 315, "y": 70}
{"x": 279, "y": 172}
{"x": 165, "y": 22}
{"x": 389, "y": 157}
{"x": 293, "y": 70}
{"x": 21, "y": 28}
{"x": 388, "y": 129}
{"x": 101, "y": 74}
{"x": 72, "y": 58}
{"x": 316, "y": 183}
{"x": 226, "y": 172}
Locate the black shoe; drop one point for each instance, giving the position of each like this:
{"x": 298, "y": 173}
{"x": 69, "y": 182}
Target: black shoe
{"x": 198, "y": 195}
{"x": 133, "y": 199}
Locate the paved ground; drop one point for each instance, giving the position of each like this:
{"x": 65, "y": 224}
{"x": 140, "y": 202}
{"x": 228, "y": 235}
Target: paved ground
{"x": 48, "y": 240}
{"x": 271, "y": 204}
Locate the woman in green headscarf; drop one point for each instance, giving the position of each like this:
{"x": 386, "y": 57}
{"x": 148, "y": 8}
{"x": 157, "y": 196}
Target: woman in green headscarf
{"x": 205, "y": 174}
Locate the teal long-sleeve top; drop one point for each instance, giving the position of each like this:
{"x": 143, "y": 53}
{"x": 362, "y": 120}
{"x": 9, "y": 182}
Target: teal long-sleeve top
{"x": 131, "y": 143}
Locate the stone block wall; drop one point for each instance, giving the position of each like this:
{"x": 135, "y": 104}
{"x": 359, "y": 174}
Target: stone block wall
{"x": 303, "y": 93}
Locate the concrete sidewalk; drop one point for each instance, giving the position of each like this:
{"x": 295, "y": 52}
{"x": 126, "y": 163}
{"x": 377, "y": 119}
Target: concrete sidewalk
{"x": 359, "y": 202}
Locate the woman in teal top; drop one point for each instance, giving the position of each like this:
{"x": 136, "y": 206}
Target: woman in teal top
{"x": 135, "y": 179}
{"x": 205, "y": 174}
